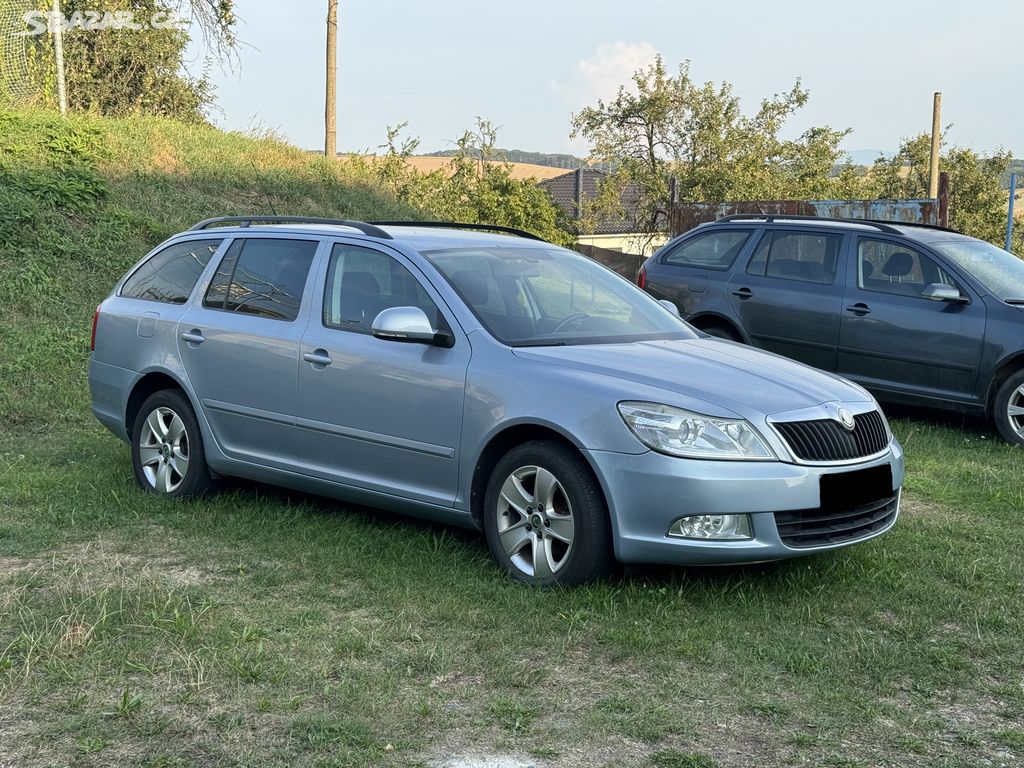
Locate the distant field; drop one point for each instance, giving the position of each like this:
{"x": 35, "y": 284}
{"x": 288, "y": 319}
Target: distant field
{"x": 519, "y": 170}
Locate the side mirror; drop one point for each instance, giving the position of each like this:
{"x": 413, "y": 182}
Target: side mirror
{"x": 670, "y": 307}
{"x": 942, "y": 292}
{"x": 409, "y": 324}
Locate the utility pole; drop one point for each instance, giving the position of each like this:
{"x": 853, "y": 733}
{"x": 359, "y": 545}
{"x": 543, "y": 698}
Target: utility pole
{"x": 57, "y": 20}
{"x": 933, "y": 176}
{"x": 331, "y": 110}
{"x": 1009, "y": 213}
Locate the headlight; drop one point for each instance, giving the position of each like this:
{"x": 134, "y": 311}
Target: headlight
{"x": 678, "y": 432}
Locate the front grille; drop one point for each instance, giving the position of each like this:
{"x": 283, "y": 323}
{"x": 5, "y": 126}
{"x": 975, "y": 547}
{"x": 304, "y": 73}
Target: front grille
{"x": 828, "y": 440}
{"x": 818, "y": 528}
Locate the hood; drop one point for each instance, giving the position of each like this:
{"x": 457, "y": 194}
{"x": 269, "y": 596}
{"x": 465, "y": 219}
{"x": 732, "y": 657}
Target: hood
{"x": 726, "y": 374}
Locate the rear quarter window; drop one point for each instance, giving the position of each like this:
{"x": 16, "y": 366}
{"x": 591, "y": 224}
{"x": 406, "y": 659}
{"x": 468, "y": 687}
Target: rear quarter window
{"x": 714, "y": 250}
{"x": 170, "y": 275}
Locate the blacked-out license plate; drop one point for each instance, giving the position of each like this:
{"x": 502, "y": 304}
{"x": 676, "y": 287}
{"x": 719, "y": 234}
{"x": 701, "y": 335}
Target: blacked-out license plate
{"x": 847, "y": 490}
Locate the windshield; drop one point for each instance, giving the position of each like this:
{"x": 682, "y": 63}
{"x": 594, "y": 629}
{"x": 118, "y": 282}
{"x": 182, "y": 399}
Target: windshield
{"x": 1000, "y": 272}
{"x": 546, "y": 296}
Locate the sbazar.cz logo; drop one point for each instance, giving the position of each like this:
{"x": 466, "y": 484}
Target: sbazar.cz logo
{"x": 41, "y": 23}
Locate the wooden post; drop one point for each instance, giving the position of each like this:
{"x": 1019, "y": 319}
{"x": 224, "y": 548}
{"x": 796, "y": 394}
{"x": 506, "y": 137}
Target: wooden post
{"x": 933, "y": 176}
{"x": 943, "y": 199}
{"x": 331, "y": 107}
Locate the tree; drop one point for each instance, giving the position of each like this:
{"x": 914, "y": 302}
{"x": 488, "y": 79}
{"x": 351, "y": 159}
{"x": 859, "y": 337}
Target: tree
{"x": 126, "y": 71}
{"x": 481, "y": 189}
{"x": 668, "y": 125}
{"x": 977, "y": 200}
{"x": 122, "y": 71}
{"x": 474, "y": 187}
{"x": 216, "y": 21}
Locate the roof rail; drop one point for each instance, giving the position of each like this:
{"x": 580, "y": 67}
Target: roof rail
{"x": 915, "y": 224}
{"x": 461, "y": 225}
{"x": 246, "y": 221}
{"x": 881, "y": 226}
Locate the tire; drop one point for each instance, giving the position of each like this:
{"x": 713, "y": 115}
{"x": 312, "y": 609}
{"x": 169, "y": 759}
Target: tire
{"x": 167, "y": 448}
{"x": 568, "y": 541}
{"x": 1010, "y": 398}
{"x": 722, "y": 332}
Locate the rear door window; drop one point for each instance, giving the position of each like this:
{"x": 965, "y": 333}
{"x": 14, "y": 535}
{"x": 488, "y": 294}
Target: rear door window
{"x": 171, "y": 274}
{"x": 802, "y": 256}
{"x": 262, "y": 276}
{"x": 714, "y": 250}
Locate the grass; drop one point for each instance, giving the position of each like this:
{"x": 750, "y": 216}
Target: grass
{"x": 83, "y": 198}
{"x": 264, "y": 627}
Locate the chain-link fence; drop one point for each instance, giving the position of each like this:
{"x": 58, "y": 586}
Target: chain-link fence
{"x": 15, "y": 83}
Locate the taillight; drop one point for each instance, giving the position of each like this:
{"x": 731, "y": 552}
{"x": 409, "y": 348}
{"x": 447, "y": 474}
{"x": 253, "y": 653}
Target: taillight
{"x": 95, "y": 319}
{"x": 641, "y": 279}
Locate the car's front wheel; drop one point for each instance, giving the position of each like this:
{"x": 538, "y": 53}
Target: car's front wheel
{"x": 167, "y": 447}
{"x": 1008, "y": 410}
{"x": 545, "y": 518}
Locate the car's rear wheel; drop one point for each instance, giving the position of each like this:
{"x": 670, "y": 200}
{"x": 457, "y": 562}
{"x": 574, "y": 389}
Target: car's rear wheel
{"x": 167, "y": 447}
{"x": 1008, "y": 410}
{"x": 545, "y": 518}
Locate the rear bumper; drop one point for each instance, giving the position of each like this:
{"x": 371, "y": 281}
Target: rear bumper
{"x": 647, "y": 492}
{"x": 110, "y": 387}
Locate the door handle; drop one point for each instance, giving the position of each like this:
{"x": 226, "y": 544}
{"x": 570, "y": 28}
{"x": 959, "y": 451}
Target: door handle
{"x": 318, "y": 357}
{"x": 743, "y": 293}
{"x": 195, "y": 336}
{"x": 860, "y": 309}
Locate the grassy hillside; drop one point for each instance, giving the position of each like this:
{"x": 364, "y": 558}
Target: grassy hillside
{"x": 81, "y": 199}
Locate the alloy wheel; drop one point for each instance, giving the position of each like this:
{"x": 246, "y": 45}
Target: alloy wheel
{"x": 164, "y": 450}
{"x": 1015, "y": 410}
{"x": 535, "y": 522}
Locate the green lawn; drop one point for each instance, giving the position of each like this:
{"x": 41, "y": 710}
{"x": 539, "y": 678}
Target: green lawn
{"x": 268, "y": 628}
{"x": 262, "y": 628}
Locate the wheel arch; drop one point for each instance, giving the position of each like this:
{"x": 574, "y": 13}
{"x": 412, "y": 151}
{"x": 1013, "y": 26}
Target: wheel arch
{"x": 501, "y": 443}
{"x": 1004, "y": 370}
{"x": 150, "y": 383}
{"x": 706, "y": 319}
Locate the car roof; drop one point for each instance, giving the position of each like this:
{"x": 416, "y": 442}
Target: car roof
{"x": 919, "y": 232}
{"x": 430, "y": 238}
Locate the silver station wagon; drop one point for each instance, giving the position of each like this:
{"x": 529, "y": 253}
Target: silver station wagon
{"x": 485, "y": 378}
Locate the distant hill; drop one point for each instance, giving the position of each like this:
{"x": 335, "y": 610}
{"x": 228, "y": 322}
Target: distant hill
{"x": 521, "y": 156}
{"x": 867, "y": 156}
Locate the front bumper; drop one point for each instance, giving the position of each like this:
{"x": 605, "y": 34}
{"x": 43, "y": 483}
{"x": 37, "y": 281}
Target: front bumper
{"x": 647, "y": 492}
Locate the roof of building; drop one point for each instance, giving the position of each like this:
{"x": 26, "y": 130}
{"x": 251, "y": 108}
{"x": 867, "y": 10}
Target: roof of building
{"x": 569, "y": 189}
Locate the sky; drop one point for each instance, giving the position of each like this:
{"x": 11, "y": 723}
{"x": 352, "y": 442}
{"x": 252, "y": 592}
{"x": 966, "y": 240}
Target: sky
{"x": 528, "y": 66}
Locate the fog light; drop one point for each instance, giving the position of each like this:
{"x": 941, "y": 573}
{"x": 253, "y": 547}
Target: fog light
{"x": 712, "y": 527}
